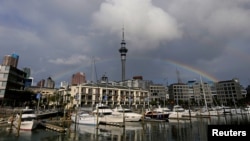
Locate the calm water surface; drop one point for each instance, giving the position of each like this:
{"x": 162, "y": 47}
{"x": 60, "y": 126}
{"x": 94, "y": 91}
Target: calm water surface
{"x": 173, "y": 130}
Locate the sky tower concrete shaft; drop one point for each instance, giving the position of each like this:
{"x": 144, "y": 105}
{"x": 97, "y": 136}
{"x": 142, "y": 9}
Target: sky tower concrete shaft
{"x": 123, "y": 50}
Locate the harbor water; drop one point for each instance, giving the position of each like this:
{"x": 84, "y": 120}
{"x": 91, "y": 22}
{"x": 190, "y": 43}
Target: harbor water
{"x": 195, "y": 129}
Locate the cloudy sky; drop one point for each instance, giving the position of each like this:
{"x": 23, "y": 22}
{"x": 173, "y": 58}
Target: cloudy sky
{"x": 166, "y": 39}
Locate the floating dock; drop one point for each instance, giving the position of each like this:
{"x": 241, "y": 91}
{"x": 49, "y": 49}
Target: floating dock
{"x": 53, "y": 127}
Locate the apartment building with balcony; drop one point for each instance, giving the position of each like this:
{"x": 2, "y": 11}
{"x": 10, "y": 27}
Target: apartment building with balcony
{"x": 89, "y": 94}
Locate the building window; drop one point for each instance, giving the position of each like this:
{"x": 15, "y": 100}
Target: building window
{"x": 3, "y": 84}
{"x": 2, "y": 92}
{"x": 5, "y": 75}
{"x": 7, "y": 68}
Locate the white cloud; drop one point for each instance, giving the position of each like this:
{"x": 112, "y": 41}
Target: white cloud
{"x": 145, "y": 24}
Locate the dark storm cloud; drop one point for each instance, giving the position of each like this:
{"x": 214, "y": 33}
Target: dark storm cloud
{"x": 59, "y": 36}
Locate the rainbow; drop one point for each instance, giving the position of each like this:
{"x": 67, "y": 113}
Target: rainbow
{"x": 72, "y": 70}
{"x": 66, "y": 73}
{"x": 178, "y": 64}
{"x": 192, "y": 69}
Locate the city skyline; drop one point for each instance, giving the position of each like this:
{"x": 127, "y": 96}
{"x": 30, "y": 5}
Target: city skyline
{"x": 80, "y": 78}
{"x": 198, "y": 38}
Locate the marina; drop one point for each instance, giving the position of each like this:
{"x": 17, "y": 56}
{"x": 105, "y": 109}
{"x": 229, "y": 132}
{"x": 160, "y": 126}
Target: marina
{"x": 193, "y": 129}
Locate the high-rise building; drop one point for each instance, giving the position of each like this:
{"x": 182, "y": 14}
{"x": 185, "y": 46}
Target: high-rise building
{"x": 27, "y": 70}
{"x": 78, "y": 78}
{"x": 123, "y": 50}
{"x": 41, "y": 83}
{"x": 50, "y": 83}
{"x": 28, "y": 82}
{"x": 10, "y": 60}
{"x": 11, "y": 80}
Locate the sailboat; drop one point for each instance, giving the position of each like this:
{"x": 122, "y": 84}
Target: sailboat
{"x": 205, "y": 111}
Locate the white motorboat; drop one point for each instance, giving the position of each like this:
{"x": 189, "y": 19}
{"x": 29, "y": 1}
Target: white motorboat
{"x": 84, "y": 118}
{"x": 130, "y": 116}
{"x": 26, "y": 120}
{"x": 106, "y": 115}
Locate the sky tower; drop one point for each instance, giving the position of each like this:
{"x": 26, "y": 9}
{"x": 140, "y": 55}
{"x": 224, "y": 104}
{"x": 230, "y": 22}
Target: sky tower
{"x": 123, "y": 50}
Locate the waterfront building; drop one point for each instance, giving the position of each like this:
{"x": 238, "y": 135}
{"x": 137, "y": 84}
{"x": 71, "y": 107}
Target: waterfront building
{"x": 178, "y": 92}
{"x": 93, "y": 93}
{"x": 229, "y": 91}
{"x": 193, "y": 92}
{"x": 202, "y": 94}
{"x": 65, "y": 96}
{"x": 48, "y": 95}
{"x": 158, "y": 93}
{"x": 11, "y": 80}
{"x": 213, "y": 93}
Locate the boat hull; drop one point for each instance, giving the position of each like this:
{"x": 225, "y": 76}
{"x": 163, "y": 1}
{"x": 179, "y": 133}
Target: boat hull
{"x": 26, "y": 125}
{"x": 111, "y": 119}
{"x": 90, "y": 120}
{"x": 160, "y": 116}
{"x": 132, "y": 118}
{"x": 175, "y": 115}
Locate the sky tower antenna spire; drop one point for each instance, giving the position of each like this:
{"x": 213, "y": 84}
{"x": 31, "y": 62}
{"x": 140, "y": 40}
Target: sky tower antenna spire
{"x": 123, "y": 51}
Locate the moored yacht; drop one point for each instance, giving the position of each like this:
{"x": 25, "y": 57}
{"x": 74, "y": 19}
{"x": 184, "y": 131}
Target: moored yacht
{"x": 128, "y": 113}
{"x": 157, "y": 113}
{"x": 106, "y": 115}
{"x": 176, "y": 112}
{"x": 26, "y": 119}
{"x": 84, "y": 118}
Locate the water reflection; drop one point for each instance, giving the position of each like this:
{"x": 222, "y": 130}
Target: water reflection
{"x": 194, "y": 129}
{"x": 188, "y": 130}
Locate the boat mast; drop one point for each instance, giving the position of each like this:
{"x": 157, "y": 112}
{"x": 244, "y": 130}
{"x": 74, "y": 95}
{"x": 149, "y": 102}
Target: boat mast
{"x": 203, "y": 92}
